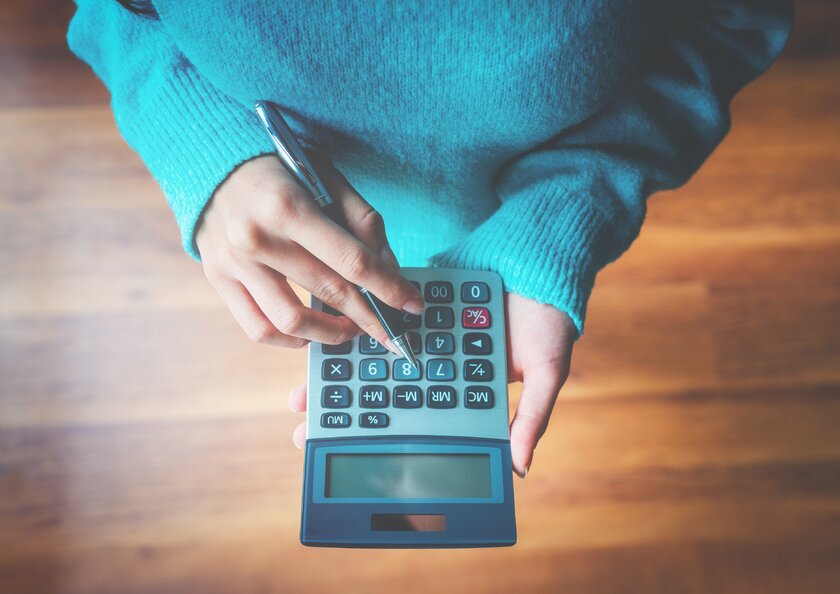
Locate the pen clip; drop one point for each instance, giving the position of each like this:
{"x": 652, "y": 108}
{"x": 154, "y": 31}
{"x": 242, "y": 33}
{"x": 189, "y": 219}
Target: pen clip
{"x": 290, "y": 151}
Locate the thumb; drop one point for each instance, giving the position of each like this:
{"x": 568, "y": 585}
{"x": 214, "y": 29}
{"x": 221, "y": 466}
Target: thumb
{"x": 539, "y": 392}
{"x": 364, "y": 221}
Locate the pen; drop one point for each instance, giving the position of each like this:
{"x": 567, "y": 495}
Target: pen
{"x": 294, "y": 159}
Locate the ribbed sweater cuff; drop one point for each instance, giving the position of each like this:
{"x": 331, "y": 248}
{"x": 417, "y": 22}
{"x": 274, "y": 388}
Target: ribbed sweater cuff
{"x": 191, "y": 138}
{"x": 544, "y": 244}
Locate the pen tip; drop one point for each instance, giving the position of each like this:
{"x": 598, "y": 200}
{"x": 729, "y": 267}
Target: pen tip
{"x": 405, "y": 350}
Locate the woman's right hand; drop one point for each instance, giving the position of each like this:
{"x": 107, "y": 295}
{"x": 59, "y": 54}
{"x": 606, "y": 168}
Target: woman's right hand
{"x": 261, "y": 228}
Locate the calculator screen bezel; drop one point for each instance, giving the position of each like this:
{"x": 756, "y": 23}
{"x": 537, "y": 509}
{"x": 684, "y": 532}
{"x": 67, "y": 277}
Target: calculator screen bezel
{"x": 319, "y": 471}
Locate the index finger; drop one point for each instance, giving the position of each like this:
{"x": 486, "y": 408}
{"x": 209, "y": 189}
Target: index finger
{"x": 353, "y": 260}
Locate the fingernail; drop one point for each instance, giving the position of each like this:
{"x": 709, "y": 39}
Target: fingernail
{"x": 391, "y": 347}
{"x": 522, "y": 475}
{"x": 415, "y": 306}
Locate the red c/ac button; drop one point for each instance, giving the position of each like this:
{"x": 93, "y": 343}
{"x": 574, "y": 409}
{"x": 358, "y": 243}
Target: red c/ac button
{"x": 475, "y": 317}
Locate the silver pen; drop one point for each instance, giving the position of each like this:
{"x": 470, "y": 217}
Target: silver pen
{"x": 294, "y": 159}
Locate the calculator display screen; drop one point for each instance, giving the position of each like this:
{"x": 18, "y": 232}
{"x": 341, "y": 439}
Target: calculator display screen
{"x": 408, "y": 476}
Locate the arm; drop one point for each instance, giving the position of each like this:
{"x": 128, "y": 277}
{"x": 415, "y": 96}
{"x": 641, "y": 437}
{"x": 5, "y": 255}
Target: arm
{"x": 190, "y": 135}
{"x": 575, "y": 203}
{"x": 261, "y": 228}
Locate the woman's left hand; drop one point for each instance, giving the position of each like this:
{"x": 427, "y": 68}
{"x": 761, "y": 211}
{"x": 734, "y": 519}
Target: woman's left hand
{"x": 540, "y": 339}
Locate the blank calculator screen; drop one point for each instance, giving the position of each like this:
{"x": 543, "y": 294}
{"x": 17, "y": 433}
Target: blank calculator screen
{"x": 408, "y": 476}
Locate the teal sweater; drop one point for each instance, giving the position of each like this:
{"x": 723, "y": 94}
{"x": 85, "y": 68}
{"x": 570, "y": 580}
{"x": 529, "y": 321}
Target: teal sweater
{"x": 523, "y": 139}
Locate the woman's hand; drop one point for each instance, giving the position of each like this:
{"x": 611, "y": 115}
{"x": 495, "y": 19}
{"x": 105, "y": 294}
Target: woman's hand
{"x": 261, "y": 228}
{"x": 540, "y": 340}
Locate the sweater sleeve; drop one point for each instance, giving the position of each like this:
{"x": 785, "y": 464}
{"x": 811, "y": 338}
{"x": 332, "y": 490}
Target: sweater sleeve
{"x": 575, "y": 203}
{"x": 189, "y": 134}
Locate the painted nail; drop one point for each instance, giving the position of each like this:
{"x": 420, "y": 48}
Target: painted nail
{"x": 415, "y": 306}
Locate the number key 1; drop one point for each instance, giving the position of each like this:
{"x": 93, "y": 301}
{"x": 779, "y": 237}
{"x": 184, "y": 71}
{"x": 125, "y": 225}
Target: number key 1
{"x": 439, "y": 317}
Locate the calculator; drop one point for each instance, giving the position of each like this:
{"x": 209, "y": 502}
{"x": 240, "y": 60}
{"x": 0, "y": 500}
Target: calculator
{"x": 403, "y": 457}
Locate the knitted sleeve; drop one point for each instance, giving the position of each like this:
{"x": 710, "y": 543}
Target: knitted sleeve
{"x": 189, "y": 134}
{"x": 575, "y": 203}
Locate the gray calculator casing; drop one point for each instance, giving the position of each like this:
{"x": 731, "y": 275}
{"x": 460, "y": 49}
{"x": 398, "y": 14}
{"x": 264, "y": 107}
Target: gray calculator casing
{"x": 473, "y": 522}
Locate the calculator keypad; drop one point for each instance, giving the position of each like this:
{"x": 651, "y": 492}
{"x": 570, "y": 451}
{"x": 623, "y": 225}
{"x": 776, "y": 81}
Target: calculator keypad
{"x": 460, "y": 387}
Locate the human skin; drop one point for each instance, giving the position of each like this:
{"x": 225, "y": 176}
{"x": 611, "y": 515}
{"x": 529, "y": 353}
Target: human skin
{"x": 261, "y": 229}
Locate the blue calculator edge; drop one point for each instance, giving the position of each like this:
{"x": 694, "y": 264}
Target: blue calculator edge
{"x": 428, "y": 477}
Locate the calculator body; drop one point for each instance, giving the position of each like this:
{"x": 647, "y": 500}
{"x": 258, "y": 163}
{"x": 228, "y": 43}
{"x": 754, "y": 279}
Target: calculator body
{"x": 400, "y": 458}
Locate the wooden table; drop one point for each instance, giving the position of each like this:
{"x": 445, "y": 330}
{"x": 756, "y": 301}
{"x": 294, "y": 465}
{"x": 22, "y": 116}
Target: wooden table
{"x": 144, "y": 442}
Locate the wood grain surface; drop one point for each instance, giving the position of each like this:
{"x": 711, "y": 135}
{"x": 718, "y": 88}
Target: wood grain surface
{"x": 145, "y": 443}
